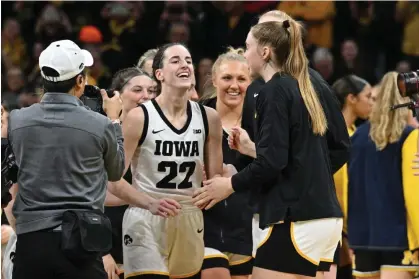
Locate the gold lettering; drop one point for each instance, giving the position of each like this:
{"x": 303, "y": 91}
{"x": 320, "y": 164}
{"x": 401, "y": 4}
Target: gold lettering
{"x": 411, "y": 258}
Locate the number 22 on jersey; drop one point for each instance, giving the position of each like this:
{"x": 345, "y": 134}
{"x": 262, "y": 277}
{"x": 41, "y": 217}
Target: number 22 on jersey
{"x": 177, "y": 148}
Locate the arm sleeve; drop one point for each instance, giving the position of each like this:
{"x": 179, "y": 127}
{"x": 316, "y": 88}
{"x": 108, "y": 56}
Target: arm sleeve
{"x": 411, "y": 189}
{"x": 273, "y": 143}
{"x": 113, "y": 153}
{"x": 337, "y": 136}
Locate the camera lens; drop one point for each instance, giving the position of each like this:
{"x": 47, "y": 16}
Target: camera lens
{"x": 408, "y": 83}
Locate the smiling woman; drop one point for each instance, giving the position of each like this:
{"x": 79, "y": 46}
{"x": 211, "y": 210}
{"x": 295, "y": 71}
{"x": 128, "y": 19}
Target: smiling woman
{"x": 167, "y": 141}
{"x": 228, "y": 240}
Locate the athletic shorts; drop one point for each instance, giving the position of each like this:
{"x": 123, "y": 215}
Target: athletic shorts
{"x": 369, "y": 263}
{"x": 154, "y": 245}
{"x": 258, "y": 235}
{"x": 299, "y": 247}
{"x": 237, "y": 264}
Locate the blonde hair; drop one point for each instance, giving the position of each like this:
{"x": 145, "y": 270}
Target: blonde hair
{"x": 285, "y": 39}
{"x": 232, "y": 54}
{"x": 148, "y": 55}
{"x": 388, "y": 125}
{"x": 279, "y": 15}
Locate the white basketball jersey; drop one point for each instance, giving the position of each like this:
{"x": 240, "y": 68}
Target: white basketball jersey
{"x": 168, "y": 162}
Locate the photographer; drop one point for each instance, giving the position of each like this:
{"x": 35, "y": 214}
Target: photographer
{"x": 66, "y": 154}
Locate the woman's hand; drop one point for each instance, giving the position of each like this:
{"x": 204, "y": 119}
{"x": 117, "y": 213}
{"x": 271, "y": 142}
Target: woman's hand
{"x": 213, "y": 191}
{"x": 239, "y": 140}
{"x": 111, "y": 267}
{"x": 416, "y": 164}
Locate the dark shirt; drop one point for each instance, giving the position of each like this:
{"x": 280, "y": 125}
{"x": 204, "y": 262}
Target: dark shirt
{"x": 66, "y": 154}
{"x": 337, "y": 134}
{"x": 292, "y": 168}
{"x": 228, "y": 225}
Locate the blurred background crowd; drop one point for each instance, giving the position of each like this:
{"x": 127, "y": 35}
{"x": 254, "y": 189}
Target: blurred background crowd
{"x": 366, "y": 38}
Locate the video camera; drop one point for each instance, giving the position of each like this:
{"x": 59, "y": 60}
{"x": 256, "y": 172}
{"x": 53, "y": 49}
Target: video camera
{"x": 93, "y": 99}
{"x": 408, "y": 84}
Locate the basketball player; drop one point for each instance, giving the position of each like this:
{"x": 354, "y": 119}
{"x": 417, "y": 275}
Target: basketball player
{"x": 167, "y": 141}
{"x": 337, "y": 136}
{"x": 228, "y": 231}
{"x": 292, "y": 168}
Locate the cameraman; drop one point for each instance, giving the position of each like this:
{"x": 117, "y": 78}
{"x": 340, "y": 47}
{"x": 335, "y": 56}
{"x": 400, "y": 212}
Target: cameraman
{"x": 65, "y": 154}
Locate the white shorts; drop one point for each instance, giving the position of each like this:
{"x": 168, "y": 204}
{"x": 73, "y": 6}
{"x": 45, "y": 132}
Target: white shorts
{"x": 171, "y": 246}
{"x": 237, "y": 264}
{"x": 259, "y": 236}
{"x": 299, "y": 247}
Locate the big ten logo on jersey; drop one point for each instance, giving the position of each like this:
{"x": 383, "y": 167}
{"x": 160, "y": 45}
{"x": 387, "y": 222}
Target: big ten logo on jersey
{"x": 172, "y": 149}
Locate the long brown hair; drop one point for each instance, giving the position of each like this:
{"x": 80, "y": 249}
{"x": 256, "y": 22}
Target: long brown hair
{"x": 285, "y": 39}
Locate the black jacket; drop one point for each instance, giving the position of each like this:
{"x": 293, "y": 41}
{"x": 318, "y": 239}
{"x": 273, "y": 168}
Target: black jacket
{"x": 292, "y": 172}
{"x": 337, "y": 136}
{"x": 228, "y": 225}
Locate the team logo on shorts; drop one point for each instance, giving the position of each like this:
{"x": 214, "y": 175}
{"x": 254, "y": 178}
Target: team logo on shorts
{"x": 127, "y": 240}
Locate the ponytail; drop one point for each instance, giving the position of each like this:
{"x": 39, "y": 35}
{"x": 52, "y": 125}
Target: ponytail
{"x": 285, "y": 38}
{"x": 297, "y": 65}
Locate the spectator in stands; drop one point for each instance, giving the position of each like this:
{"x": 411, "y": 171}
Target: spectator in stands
{"x": 174, "y": 11}
{"x": 408, "y": 13}
{"x": 317, "y": 18}
{"x": 351, "y": 62}
{"x": 119, "y": 33}
{"x": 52, "y": 25}
{"x": 99, "y": 74}
{"x": 178, "y": 33}
{"x": 224, "y": 23}
{"x": 33, "y": 73}
{"x": 15, "y": 84}
{"x": 323, "y": 63}
{"x": 13, "y": 47}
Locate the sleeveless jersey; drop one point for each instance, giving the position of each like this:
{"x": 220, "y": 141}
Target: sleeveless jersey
{"x": 168, "y": 162}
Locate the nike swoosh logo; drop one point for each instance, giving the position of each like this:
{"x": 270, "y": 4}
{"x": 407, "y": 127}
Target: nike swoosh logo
{"x": 155, "y": 132}
{"x": 255, "y": 95}
{"x": 200, "y": 230}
